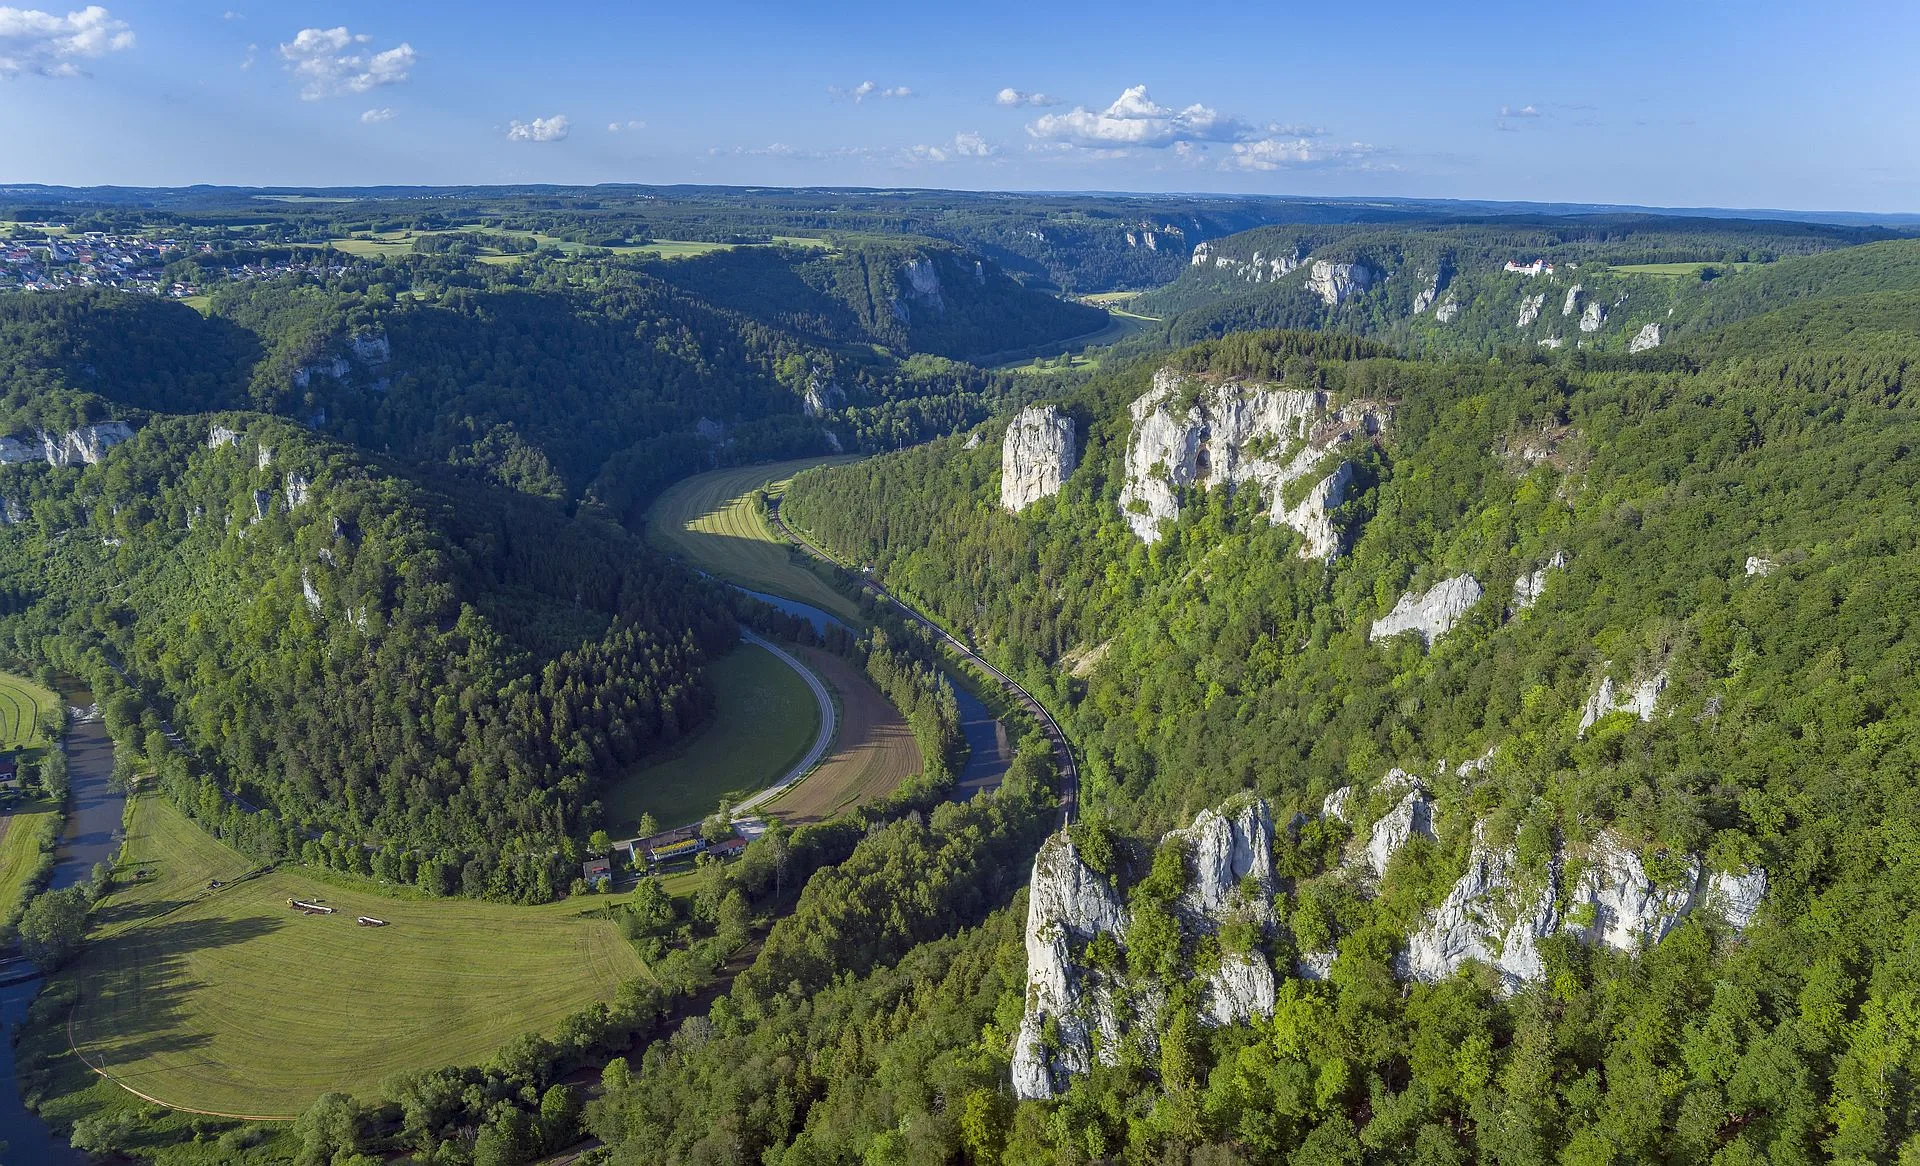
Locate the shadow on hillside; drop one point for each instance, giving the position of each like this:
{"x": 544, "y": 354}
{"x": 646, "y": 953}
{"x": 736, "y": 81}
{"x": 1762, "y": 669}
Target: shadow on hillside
{"x": 136, "y": 1007}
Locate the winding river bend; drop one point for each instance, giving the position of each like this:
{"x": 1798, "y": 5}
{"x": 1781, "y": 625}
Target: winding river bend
{"x": 94, "y": 813}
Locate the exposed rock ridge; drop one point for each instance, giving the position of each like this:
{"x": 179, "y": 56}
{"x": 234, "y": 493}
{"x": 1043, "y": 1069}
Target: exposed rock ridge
{"x": 1036, "y": 456}
{"x": 1647, "y": 337}
{"x": 1528, "y": 588}
{"x": 1190, "y": 431}
{"x": 1494, "y": 915}
{"x": 1433, "y": 612}
{"x": 1530, "y": 308}
{"x": 1640, "y": 700}
{"x": 369, "y": 351}
{"x": 83, "y": 446}
{"x": 1336, "y": 283}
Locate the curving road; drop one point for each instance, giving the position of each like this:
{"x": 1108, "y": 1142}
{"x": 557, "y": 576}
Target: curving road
{"x": 1062, "y": 752}
{"x": 829, "y": 725}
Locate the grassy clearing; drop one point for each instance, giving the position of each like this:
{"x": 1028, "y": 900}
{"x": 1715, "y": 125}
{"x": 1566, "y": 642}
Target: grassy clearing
{"x": 874, "y": 753}
{"x": 765, "y": 722}
{"x": 708, "y": 521}
{"x": 25, "y": 835}
{"x": 1082, "y": 352}
{"x": 1678, "y": 270}
{"x": 22, "y": 702}
{"x": 230, "y": 1002}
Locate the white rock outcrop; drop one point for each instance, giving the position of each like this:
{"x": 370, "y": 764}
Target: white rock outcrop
{"x": 1436, "y": 283}
{"x": 1036, "y": 456}
{"x": 1432, "y": 612}
{"x": 1446, "y": 313}
{"x": 922, "y": 288}
{"x": 1759, "y": 566}
{"x": 1640, "y": 700}
{"x": 1647, "y": 337}
{"x": 1486, "y": 916}
{"x": 220, "y": 436}
{"x": 1530, "y": 309}
{"x": 298, "y": 490}
{"x": 1336, "y": 283}
{"x": 83, "y": 446}
{"x": 1493, "y": 916}
{"x": 1242, "y": 988}
{"x": 1191, "y": 431}
{"x": 1411, "y": 817}
{"x": 821, "y": 397}
{"x": 1594, "y": 315}
{"x": 1226, "y": 851}
{"x": 1334, "y": 805}
{"x": 1068, "y": 902}
{"x": 265, "y": 457}
{"x": 262, "y": 503}
{"x": 1528, "y": 588}
{"x": 1572, "y": 301}
{"x": 308, "y": 590}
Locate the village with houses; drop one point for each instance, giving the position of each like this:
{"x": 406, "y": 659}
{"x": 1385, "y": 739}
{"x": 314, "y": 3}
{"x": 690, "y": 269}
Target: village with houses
{"x": 43, "y": 257}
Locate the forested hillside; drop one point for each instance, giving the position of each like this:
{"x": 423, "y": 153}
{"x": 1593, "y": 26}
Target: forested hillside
{"x": 1734, "y": 521}
{"x": 1446, "y": 288}
{"x": 442, "y": 675}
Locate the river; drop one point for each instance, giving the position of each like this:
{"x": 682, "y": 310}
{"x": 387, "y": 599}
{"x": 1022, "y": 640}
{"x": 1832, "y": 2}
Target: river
{"x": 92, "y": 834}
{"x": 988, "y": 751}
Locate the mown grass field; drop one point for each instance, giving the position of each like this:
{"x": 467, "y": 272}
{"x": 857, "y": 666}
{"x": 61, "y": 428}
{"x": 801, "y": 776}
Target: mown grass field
{"x": 708, "y": 521}
{"x": 228, "y": 1001}
{"x": 1677, "y": 270}
{"x": 22, "y": 833}
{"x": 21, "y": 702}
{"x": 765, "y": 721}
{"x": 873, "y": 754}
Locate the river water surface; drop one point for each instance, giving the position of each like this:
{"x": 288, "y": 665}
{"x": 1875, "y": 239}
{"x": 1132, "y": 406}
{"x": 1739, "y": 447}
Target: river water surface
{"x": 91, "y": 836}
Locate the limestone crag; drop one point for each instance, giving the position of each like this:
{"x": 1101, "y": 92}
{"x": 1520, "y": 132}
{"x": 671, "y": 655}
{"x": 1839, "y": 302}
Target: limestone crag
{"x": 1528, "y": 588}
{"x": 1530, "y": 308}
{"x": 1261, "y": 268}
{"x": 1647, "y": 337}
{"x": 1759, "y": 566}
{"x": 1432, "y": 612}
{"x": 1336, "y": 283}
{"x": 1486, "y": 916}
{"x": 1446, "y": 313}
{"x": 1572, "y": 300}
{"x": 298, "y": 490}
{"x": 1411, "y": 816}
{"x": 1067, "y": 902}
{"x": 1191, "y": 431}
{"x": 821, "y": 397}
{"x": 922, "y": 289}
{"x": 366, "y": 352}
{"x": 1436, "y": 283}
{"x": 1495, "y": 916}
{"x": 220, "y": 436}
{"x": 1036, "y": 456}
{"x": 1226, "y": 852}
{"x": 1640, "y": 700}
{"x": 1240, "y": 989}
{"x": 83, "y": 446}
{"x": 1594, "y": 315}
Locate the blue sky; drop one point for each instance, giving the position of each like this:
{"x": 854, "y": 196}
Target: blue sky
{"x": 1685, "y": 102}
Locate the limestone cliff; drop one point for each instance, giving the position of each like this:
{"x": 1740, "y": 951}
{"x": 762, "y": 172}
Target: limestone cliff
{"x": 1530, "y": 308}
{"x": 1432, "y": 612}
{"x": 1594, "y": 315}
{"x": 1191, "y": 431}
{"x": 1639, "y": 700}
{"x": 85, "y": 445}
{"x": 364, "y": 353}
{"x": 1036, "y": 456}
{"x": 1081, "y": 1010}
{"x": 1528, "y": 588}
{"x": 1647, "y": 337}
{"x": 1336, "y": 283}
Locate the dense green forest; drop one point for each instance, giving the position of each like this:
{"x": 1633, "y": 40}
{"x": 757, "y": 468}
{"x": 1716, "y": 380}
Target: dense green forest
{"x": 1443, "y": 288}
{"x": 1225, "y": 662}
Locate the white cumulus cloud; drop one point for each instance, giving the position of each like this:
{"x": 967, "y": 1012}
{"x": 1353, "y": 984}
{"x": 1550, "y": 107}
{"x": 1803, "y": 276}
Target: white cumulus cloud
{"x": 618, "y": 127}
{"x": 966, "y": 144}
{"x": 41, "y": 43}
{"x": 1012, "y": 96}
{"x": 866, "y": 89}
{"x": 1287, "y": 153}
{"x": 1135, "y": 119}
{"x": 540, "y": 129}
{"x": 376, "y": 116}
{"x": 331, "y": 62}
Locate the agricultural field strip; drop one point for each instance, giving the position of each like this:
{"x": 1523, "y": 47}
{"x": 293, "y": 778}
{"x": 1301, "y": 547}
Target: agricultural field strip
{"x": 829, "y": 724}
